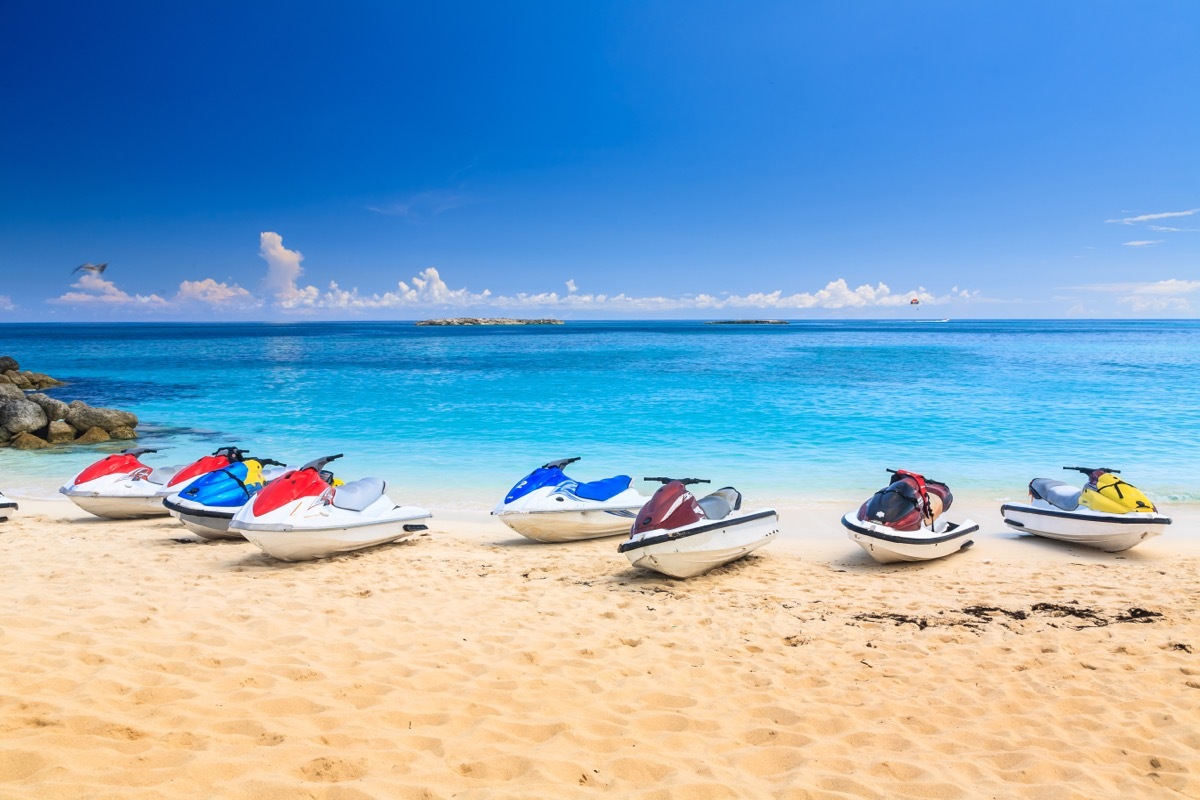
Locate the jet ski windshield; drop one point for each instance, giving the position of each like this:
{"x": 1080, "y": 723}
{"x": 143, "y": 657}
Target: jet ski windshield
{"x": 547, "y": 475}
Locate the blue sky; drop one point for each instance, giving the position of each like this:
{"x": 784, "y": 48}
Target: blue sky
{"x": 599, "y": 160}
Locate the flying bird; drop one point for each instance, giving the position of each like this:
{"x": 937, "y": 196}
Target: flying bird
{"x": 95, "y": 269}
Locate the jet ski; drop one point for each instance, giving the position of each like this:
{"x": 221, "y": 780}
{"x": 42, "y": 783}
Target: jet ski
{"x": 901, "y": 521}
{"x": 120, "y": 486}
{"x": 547, "y": 506}
{"x": 1106, "y": 513}
{"x": 207, "y": 505}
{"x": 681, "y": 537}
{"x": 307, "y": 513}
{"x": 7, "y": 507}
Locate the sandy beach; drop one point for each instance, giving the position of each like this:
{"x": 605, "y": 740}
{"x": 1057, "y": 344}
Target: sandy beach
{"x": 138, "y": 662}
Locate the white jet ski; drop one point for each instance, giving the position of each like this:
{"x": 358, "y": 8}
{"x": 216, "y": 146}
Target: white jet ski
{"x": 120, "y": 486}
{"x": 209, "y": 503}
{"x": 7, "y": 507}
{"x": 680, "y": 536}
{"x": 1107, "y": 513}
{"x": 547, "y": 506}
{"x": 308, "y": 513}
{"x": 901, "y": 522}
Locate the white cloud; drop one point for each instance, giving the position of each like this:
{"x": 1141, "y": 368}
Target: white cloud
{"x": 215, "y": 294}
{"x": 423, "y": 205}
{"x": 1143, "y": 242}
{"x": 1149, "y": 217}
{"x": 571, "y": 287}
{"x": 6, "y": 303}
{"x": 283, "y": 269}
{"x": 95, "y": 290}
{"x": 1168, "y": 295}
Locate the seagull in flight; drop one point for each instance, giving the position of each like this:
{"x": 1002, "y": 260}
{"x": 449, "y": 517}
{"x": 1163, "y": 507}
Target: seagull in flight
{"x": 95, "y": 269}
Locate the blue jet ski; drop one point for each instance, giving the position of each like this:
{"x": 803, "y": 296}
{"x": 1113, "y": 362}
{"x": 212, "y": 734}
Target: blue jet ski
{"x": 548, "y": 506}
{"x": 207, "y": 505}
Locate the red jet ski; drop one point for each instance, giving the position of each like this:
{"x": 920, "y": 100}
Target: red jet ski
{"x": 901, "y": 521}
{"x": 682, "y": 536}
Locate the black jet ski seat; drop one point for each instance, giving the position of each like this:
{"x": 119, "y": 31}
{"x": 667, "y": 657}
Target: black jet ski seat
{"x": 161, "y": 475}
{"x": 1057, "y": 493}
{"x": 357, "y": 495}
{"x": 721, "y": 503}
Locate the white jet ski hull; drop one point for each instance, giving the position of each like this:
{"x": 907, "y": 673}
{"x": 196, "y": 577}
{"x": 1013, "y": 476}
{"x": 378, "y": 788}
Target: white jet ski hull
{"x": 118, "y": 502}
{"x": 702, "y": 546}
{"x": 569, "y": 526}
{"x": 890, "y": 546}
{"x": 307, "y": 529}
{"x": 207, "y": 526}
{"x": 8, "y": 508}
{"x": 1109, "y": 532}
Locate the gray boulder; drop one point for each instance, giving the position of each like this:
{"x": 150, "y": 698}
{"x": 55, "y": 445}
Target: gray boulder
{"x": 54, "y": 408}
{"x": 40, "y": 380}
{"x": 10, "y": 392}
{"x": 21, "y": 416}
{"x": 84, "y": 418}
{"x": 7, "y": 363}
{"x": 123, "y": 433}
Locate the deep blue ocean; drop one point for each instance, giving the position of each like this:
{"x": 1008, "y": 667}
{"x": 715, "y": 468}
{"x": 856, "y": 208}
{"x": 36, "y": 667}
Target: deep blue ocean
{"x": 451, "y": 417}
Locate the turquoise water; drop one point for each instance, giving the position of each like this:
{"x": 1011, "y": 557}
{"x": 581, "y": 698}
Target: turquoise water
{"x": 453, "y": 416}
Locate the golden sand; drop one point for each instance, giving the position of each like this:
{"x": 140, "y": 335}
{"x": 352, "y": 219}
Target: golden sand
{"x": 137, "y": 662}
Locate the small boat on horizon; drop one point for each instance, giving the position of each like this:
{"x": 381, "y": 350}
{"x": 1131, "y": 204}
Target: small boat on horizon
{"x": 901, "y": 521}
{"x": 548, "y": 506}
{"x": 682, "y": 537}
{"x": 307, "y": 513}
{"x": 1106, "y": 513}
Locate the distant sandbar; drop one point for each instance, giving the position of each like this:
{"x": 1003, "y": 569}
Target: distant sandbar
{"x": 489, "y": 321}
{"x": 748, "y": 322}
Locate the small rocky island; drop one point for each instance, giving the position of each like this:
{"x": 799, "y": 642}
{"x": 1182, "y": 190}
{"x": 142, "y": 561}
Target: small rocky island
{"x": 749, "y": 322}
{"x": 488, "y": 321}
{"x": 31, "y": 420}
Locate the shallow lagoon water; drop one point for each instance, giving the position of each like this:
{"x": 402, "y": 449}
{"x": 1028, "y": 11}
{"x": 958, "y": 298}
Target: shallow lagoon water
{"x": 451, "y": 417}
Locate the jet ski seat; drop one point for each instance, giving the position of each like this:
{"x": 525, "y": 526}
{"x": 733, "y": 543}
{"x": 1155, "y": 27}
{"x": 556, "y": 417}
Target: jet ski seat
{"x": 357, "y": 495}
{"x": 603, "y": 489}
{"x": 721, "y": 503}
{"x": 160, "y": 475}
{"x": 1057, "y": 493}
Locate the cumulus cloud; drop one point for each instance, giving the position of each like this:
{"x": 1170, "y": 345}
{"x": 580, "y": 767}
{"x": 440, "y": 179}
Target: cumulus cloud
{"x": 211, "y": 292}
{"x": 1150, "y": 217}
{"x": 283, "y": 269}
{"x": 6, "y": 303}
{"x": 95, "y": 290}
{"x": 427, "y": 290}
{"x": 1143, "y": 243}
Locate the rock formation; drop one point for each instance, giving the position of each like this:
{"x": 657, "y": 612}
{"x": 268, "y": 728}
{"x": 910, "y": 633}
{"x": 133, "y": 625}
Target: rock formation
{"x": 36, "y": 421}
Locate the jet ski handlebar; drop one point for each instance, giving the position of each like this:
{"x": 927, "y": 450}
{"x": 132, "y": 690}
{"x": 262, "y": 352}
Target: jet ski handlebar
{"x": 1090, "y": 470}
{"x": 320, "y": 463}
{"x": 684, "y": 481}
{"x": 231, "y": 452}
{"x": 562, "y": 462}
{"x": 138, "y": 451}
{"x": 271, "y": 461}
